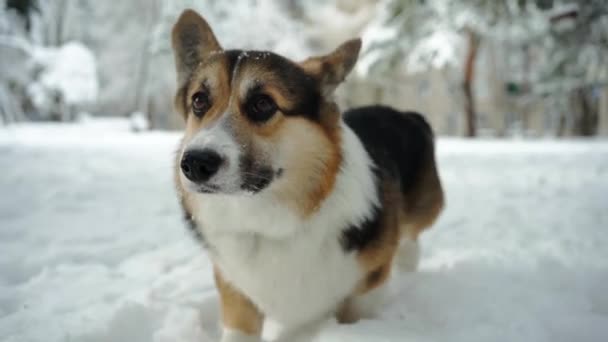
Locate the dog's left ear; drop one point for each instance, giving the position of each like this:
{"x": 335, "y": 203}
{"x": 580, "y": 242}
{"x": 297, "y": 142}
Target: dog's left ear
{"x": 332, "y": 69}
{"x": 192, "y": 41}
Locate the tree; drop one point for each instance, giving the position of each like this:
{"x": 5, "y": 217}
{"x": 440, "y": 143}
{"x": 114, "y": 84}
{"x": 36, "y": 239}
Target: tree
{"x": 575, "y": 62}
{"x": 44, "y": 77}
{"x": 467, "y": 82}
{"x": 25, "y": 8}
{"x": 414, "y": 21}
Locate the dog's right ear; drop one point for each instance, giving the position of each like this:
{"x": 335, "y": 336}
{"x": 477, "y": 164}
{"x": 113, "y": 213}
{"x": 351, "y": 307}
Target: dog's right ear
{"x": 332, "y": 69}
{"x": 192, "y": 41}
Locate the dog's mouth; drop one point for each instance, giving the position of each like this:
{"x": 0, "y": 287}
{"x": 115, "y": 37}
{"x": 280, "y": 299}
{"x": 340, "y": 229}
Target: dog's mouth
{"x": 258, "y": 180}
{"x": 255, "y": 182}
{"x": 207, "y": 188}
{"x": 256, "y": 175}
{"x": 251, "y": 182}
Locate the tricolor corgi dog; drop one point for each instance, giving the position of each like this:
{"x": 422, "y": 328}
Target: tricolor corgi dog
{"x": 303, "y": 210}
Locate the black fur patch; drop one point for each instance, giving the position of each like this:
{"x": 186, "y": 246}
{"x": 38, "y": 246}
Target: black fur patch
{"x": 399, "y": 144}
{"x": 255, "y": 177}
{"x": 360, "y": 236}
{"x": 299, "y": 86}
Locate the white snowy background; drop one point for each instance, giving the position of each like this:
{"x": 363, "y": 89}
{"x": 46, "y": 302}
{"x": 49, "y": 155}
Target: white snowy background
{"x": 539, "y": 67}
{"x": 93, "y": 247}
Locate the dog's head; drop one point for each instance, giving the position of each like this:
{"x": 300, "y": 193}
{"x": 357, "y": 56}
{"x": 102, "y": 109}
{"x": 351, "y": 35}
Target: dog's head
{"x": 256, "y": 121}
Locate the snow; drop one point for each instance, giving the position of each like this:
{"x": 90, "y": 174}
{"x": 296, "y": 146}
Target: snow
{"x": 375, "y": 35}
{"x": 93, "y": 247}
{"x": 70, "y": 69}
{"x": 139, "y": 122}
{"x": 420, "y": 46}
{"x": 439, "y": 50}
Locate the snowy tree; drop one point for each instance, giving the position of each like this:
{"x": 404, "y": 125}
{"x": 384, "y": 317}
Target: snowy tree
{"x": 424, "y": 34}
{"x": 131, "y": 43}
{"x": 65, "y": 81}
{"x": 25, "y": 9}
{"x": 541, "y": 53}
{"x": 553, "y": 51}
{"x": 14, "y": 50}
{"x": 47, "y": 75}
{"x": 574, "y": 64}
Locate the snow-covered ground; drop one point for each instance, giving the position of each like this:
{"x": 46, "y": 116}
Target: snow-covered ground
{"x": 92, "y": 247}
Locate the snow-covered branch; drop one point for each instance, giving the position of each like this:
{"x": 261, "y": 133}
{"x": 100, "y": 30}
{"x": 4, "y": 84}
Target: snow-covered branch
{"x": 17, "y": 43}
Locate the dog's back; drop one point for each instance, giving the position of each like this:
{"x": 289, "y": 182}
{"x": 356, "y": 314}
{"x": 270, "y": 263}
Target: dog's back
{"x": 401, "y": 144}
{"x": 398, "y": 142}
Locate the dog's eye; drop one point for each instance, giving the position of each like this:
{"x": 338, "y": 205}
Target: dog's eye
{"x": 200, "y": 103}
{"x": 261, "y": 108}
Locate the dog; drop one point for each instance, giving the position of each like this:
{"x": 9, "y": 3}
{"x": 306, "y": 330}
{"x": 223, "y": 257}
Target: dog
{"x": 302, "y": 209}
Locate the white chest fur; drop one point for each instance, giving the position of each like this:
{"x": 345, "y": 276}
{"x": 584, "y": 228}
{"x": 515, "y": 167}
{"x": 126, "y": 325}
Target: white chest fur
{"x": 292, "y": 281}
{"x": 293, "y": 269}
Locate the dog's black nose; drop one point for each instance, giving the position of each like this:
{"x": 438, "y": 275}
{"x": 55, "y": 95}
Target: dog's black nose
{"x": 199, "y": 165}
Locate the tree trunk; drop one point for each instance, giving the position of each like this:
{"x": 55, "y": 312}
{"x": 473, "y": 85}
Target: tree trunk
{"x": 586, "y": 119}
{"x": 467, "y": 84}
{"x": 141, "y": 83}
{"x": 151, "y": 17}
{"x": 603, "y": 113}
{"x": 53, "y": 16}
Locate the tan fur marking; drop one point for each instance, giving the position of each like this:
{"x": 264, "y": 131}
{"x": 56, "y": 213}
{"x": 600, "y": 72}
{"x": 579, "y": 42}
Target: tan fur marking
{"x": 238, "y": 312}
{"x": 424, "y": 204}
{"x": 330, "y": 125}
{"x": 312, "y": 162}
{"x": 331, "y": 69}
{"x": 277, "y": 94}
{"x": 215, "y": 73}
{"x": 252, "y": 75}
{"x": 376, "y": 259}
{"x": 212, "y": 71}
{"x": 330, "y": 117}
{"x": 332, "y": 132}
{"x": 268, "y": 128}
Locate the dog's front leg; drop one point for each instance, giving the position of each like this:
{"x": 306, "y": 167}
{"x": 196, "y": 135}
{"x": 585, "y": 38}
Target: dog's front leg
{"x": 305, "y": 332}
{"x": 241, "y": 320}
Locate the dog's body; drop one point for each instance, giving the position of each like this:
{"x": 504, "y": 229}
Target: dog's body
{"x": 302, "y": 210}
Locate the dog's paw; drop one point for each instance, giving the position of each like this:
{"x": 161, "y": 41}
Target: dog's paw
{"x": 230, "y": 335}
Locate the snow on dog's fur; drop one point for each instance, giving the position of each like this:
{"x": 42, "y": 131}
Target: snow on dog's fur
{"x": 302, "y": 208}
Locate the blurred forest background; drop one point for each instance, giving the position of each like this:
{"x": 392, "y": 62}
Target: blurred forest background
{"x": 473, "y": 67}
